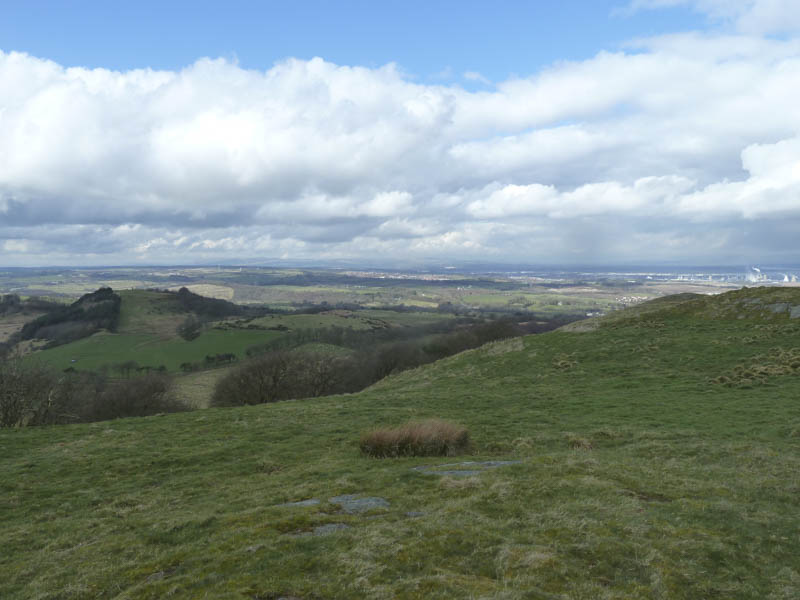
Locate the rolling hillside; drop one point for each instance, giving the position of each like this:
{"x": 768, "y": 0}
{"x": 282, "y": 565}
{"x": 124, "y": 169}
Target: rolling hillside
{"x": 654, "y": 454}
{"x": 148, "y": 323}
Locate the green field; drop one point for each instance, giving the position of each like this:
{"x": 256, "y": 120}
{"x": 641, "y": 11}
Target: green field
{"x": 196, "y": 389}
{"x": 110, "y": 349}
{"x": 318, "y": 321}
{"x": 369, "y": 318}
{"x": 405, "y": 319}
{"x": 659, "y": 458}
{"x": 147, "y": 333}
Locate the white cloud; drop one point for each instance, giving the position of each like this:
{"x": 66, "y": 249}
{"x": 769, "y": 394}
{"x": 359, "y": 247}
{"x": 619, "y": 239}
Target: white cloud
{"x": 476, "y": 76}
{"x": 751, "y": 16}
{"x": 387, "y": 204}
{"x": 772, "y": 188}
{"x": 649, "y": 196}
{"x": 17, "y": 246}
{"x": 313, "y": 159}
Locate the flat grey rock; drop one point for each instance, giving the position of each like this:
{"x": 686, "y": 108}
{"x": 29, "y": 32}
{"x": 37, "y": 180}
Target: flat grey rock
{"x": 470, "y": 467}
{"x": 329, "y": 528}
{"x": 795, "y": 314}
{"x": 779, "y": 307}
{"x": 352, "y": 504}
{"x": 309, "y": 502}
{"x": 415, "y": 513}
{"x": 491, "y": 464}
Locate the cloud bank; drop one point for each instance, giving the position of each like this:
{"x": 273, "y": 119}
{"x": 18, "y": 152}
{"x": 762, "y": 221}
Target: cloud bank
{"x": 681, "y": 148}
{"x": 750, "y": 16}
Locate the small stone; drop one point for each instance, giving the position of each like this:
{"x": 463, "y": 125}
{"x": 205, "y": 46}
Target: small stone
{"x": 352, "y": 504}
{"x": 795, "y": 314}
{"x": 468, "y": 472}
{"x": 330, "y": 528}
{"x": 415, "y": 513}
{"x": 309, "y": 502}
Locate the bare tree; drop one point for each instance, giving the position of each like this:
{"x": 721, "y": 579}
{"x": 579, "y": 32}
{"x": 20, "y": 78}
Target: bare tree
{"x": 27, "y": 394}
{"x": 263, "y": 379}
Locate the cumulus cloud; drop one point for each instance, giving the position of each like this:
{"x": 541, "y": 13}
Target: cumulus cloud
{"x": 476, "y": 76}
{"x": 639, "y": 153}
{"x": 752, "y": 16}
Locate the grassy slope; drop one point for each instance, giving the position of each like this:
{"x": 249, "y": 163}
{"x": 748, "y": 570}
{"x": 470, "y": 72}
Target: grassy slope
{"x": 147, "y": 333}
{"x": 640, "y": 478}
{"x": 108, "y": 349}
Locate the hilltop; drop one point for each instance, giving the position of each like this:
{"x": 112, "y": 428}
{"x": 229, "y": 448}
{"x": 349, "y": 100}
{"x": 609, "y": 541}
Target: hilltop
{"x": 653, "y": 454}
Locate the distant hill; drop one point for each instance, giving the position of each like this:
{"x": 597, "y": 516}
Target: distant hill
{"x": 764, "y": 304}
{"x": 64, "y": 324}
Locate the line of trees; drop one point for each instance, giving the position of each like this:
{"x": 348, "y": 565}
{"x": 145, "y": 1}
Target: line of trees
{"x": 34, "y": 394}
{"x": 64, "y": 324}
{"x": 355, "y": 339}
{"x": 12, "y": 304}
{"x": 209, "y": 362}
{"x": 282, "y": 373}
{"x": 213, "y": 308}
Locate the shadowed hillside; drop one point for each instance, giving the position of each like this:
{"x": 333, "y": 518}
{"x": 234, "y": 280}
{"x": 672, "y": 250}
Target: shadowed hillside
{"x": 61, "y": 325}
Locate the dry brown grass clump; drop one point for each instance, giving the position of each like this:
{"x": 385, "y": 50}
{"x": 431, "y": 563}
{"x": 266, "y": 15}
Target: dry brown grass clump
{"x": 778, "y": 362}
{"x": 431, "y": 437}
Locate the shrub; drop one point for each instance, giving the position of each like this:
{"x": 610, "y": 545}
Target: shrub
{"x": 190, "y": 329}
{"x": 64, "y": 324}
{"x": 432, "y": 437}
{"x": 283, "y": 375}
{"x": 32, "y": 394}
{"x": 138, "y": 397}
{"x": 259, "y": 381}
{"x": 27, "y": 394}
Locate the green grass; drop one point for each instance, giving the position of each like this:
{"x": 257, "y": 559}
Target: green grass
{"x": 639, "y": 478}
{"x": 405, "y": 319}
{"x": 110, "y": 349}
{"x": 196, "y": 388}
{"x": 147, "y": 333}
{"x": 318, "y": 321}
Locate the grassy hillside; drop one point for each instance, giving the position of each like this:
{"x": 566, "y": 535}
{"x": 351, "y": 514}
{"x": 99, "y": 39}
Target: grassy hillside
{"x": 147, "y": 333}
{"x": 658, "y": 458}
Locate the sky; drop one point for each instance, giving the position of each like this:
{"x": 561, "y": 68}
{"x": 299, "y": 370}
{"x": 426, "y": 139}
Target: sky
{"x": 400, "y": 133}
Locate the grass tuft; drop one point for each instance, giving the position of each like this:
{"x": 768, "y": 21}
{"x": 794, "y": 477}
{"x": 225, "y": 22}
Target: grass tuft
{"x": 579, "y": 443}
{"x": 431, "y": 437}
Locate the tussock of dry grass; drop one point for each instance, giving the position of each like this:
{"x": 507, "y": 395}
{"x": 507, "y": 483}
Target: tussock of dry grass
{"x": 579, "y": 443}
{"x": 432, "y": 437}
